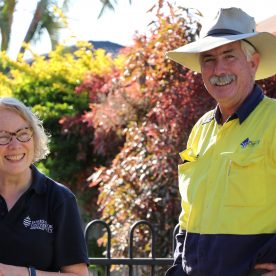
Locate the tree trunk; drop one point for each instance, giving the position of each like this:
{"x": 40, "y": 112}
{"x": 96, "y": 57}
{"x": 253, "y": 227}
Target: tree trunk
{"x": 40, "y": 9}
{"x": 6, "y": 20}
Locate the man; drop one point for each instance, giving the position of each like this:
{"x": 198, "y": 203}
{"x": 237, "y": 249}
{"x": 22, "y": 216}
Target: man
{"x": 228, "y": 177}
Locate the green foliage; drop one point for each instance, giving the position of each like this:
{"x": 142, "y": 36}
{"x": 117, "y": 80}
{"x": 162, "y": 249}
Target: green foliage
{"x": 48, "y": 86}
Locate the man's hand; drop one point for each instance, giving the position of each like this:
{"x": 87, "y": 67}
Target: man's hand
{"x": 268, "y": 266}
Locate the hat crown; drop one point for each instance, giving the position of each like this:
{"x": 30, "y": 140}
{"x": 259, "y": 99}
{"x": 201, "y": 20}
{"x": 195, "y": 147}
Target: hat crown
{"x": 229, "y": 25}
{"x": 229, "y": 21}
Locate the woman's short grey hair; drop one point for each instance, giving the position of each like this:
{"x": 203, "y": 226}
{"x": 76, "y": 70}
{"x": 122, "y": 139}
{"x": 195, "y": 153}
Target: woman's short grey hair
{"x": 41, "y": 139}
{"x": 248, "y": 49}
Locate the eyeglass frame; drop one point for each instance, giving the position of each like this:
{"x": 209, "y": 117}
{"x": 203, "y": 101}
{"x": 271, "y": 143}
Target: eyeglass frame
{"x": 11, "y": 134}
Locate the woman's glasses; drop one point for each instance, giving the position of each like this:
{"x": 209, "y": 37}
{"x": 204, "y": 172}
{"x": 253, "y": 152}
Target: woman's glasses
{"x": 22, "y": 135}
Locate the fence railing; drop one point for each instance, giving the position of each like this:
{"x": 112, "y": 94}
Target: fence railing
{"x": 131, "y": 260}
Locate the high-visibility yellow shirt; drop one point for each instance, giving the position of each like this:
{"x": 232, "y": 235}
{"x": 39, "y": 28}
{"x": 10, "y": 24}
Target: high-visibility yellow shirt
{"x": 227, "y": 184}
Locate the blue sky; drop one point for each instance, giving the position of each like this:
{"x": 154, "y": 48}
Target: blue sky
{"x": 119, "y": 26}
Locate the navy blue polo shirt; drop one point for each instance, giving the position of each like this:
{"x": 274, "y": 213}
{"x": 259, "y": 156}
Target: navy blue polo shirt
{"x": 43, "y": 229}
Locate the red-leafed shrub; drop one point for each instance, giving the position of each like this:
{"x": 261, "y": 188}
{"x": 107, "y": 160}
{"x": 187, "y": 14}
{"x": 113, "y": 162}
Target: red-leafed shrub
{"x": 269, "y": 86}
{"x": 145, "y": 115}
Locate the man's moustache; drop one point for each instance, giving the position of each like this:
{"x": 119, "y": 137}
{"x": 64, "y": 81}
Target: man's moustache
{"x": 222, "y": 80}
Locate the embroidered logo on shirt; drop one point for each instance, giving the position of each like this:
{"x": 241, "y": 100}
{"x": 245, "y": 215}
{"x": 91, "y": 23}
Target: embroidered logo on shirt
{"x": 247, "y": 142}
{"x": 39, "y": 224}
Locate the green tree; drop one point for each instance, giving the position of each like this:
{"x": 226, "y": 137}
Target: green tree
{"x": 48, "y": 86}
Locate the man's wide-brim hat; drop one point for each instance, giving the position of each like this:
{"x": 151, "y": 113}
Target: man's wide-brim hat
{"x": 229, "y": 25}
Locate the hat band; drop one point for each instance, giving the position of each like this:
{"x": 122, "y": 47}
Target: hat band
{"x": 221, "y": 32}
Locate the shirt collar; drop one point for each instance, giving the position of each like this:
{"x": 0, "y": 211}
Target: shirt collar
{"x": 38, "y": 186}
{"x": 249, "y": 104}
{"x": 39, "y": 181}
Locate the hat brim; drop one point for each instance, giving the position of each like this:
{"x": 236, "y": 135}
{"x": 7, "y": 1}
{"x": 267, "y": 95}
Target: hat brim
{"x": 265, "y": 43}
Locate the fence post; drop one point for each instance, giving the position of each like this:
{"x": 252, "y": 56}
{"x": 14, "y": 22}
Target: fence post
{"x": 108, "y": 246}
{"x": 131, "y": 234}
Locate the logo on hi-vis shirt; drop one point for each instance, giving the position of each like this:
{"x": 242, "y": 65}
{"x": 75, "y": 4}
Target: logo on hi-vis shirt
{"x": 39, "y": 224}
{"x": 248, "y": 142}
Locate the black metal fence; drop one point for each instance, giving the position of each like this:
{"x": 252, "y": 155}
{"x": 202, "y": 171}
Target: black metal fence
{"x": 131, "y": 260}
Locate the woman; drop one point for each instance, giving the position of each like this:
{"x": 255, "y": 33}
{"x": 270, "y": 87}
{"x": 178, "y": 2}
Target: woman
{"x": 40, "y": 229}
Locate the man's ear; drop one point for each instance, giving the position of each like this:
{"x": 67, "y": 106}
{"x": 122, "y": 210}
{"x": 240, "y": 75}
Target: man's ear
{"x": 255, "y": 60}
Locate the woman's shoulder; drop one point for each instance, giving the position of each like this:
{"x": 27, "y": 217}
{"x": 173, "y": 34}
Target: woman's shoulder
{"x": 44, "y": 184}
